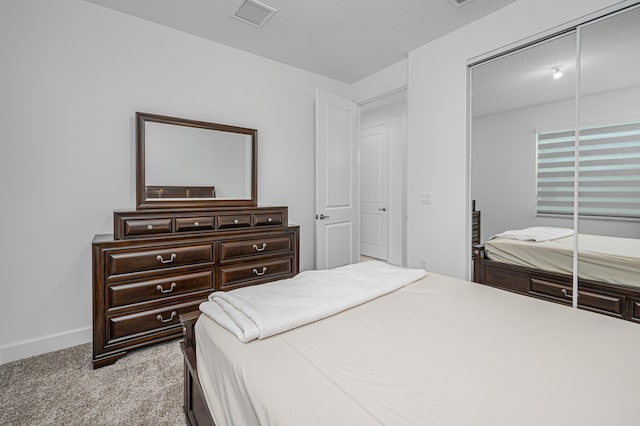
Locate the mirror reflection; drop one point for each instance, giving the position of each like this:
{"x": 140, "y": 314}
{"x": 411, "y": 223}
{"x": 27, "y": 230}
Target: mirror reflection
{"x": 194, "y": 164}
{"x": 555, "y": 167}
{"x": 609, "y": 151}
{"x": 516, "y": 99}
{"x": 186, "y": 162}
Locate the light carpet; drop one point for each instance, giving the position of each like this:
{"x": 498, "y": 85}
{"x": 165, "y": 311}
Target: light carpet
{"x": 61, "y": 388}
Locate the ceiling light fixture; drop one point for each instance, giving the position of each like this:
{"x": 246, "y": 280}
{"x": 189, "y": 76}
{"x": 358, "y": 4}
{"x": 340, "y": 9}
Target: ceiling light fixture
{"x": 458, "y": 3}
{"x": 557, "y": 73}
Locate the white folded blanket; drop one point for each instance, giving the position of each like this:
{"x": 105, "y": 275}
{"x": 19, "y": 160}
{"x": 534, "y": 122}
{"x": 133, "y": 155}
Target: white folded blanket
{"x": 261, "y": 311}
{"x": 536, "y": 233}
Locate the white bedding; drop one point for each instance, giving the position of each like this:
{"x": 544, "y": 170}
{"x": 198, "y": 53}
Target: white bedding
{"x": 262, "y": 311}
{"x": 440, "y": 351}
{"x": 611, "y": 260}
{"x": 535, "y": 233}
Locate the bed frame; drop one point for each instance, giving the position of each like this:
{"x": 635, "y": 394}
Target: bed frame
{"x": 616, "y": 301}
{"x": 609, "y": 299}
{"x": 195, "y": 406}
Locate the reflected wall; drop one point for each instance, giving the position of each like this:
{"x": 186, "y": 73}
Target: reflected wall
{"x": 513, "y": 97}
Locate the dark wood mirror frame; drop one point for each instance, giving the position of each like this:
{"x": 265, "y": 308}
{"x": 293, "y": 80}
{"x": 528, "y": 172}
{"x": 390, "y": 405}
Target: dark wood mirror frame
{"x": 143, "y": 202}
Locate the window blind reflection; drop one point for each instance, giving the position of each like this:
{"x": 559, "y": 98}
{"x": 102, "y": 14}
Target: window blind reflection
{"x": 609, "y": 167}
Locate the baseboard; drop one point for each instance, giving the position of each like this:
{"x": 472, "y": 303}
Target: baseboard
{"x": 40, "y": 345}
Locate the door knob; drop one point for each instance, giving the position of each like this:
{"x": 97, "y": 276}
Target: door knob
{"x": 384, "y": 209}
{"x": 321, "y": 217}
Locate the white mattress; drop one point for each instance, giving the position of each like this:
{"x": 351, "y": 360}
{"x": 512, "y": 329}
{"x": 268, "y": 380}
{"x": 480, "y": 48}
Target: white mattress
{"x": 611, "y": 260}
{"x": 440, "y": 351}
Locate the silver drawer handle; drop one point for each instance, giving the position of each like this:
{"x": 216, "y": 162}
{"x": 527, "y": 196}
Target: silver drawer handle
{"x": 256, "y": 248}
{"x": 236, "y": 221}
{"x": 269, "y": 220}
{"x": 264, "y": 271}
{"x": 173, "y": 315}
{"x": 196, "y": 223}
{"x": 173, "y": 257}
{"x": 162, "y": 290}
{"x": 566, "y": 293}
{"x": 149, "y": 227}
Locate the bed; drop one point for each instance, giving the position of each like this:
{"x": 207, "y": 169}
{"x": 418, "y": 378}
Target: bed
{"x": 608, "y": 269}
{"x": 437, "y": 351}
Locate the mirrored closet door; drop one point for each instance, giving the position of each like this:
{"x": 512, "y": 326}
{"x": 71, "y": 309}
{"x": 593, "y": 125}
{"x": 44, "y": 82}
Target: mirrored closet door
{"x": 516, "y": 99}
{"x": 555, "y": 166}
{"x": 609, "y": 157}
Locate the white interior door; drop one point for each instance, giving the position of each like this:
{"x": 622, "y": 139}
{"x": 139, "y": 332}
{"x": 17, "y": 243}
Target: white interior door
{"x": 337, "y": 199}
{"x": 374, "y": 191}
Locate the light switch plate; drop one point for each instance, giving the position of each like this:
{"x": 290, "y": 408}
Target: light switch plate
{"x": 424, "y": 263}
{"x": 425, "y": 198}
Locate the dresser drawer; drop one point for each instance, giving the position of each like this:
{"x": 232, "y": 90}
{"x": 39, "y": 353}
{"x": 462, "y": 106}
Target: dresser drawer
{"x": 267, "y": 219}
{"x": 559, "y": 292}
{"x": 250, "y": 273}
{"x": 146, "y": 226}
{"x": 147, "y": 322}
{"x": 252, "y": 247}
{"x": 505, "y": 278}
{"x": 233, "y": 221}
{"x": 136, "y": 261}
{"x": 144, "y": 291}
{"x": 604, "y": 303}
{"x": 186, "y": 224}
{"x": 610, "y": 304}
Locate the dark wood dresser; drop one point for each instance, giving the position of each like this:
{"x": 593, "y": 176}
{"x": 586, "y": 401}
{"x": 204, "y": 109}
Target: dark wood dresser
{"x": 163, "y": 263}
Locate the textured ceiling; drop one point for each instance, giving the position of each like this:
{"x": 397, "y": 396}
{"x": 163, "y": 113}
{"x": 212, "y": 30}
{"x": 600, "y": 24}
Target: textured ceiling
{"x": 609, "y": 58}
{"x": 343, "y": 39}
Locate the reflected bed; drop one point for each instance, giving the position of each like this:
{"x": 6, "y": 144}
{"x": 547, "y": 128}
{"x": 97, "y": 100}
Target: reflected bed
{"x": 611, "y": 260}
{"x": 440, "y": 351}
{"x": 608, "y": 270}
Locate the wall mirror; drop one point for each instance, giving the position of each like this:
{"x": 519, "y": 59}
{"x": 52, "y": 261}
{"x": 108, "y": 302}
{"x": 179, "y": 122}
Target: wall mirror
{"x": 194, "y": 164}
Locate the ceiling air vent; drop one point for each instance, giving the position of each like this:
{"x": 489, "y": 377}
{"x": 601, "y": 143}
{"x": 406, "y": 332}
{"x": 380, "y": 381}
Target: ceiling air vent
{"x": 253, "y": 12}
{"x": 459, "y": 2}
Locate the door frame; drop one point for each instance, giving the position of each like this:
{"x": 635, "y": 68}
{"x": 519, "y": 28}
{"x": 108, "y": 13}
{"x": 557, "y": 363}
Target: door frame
{"x": 398, "y": 148}
{"x": 404, "y": 218}
{"x": 385, "y": 158}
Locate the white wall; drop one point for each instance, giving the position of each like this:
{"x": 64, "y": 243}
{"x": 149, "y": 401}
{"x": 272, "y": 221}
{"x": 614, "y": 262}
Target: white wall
{"x": 504, "y": 153}
{"x": 396, "y": 117}
{"x": 387, "y": 80}
{"x": 437, "y": 151}
{"x": 73, "y": 75}
{"x": 189, "y": 156}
